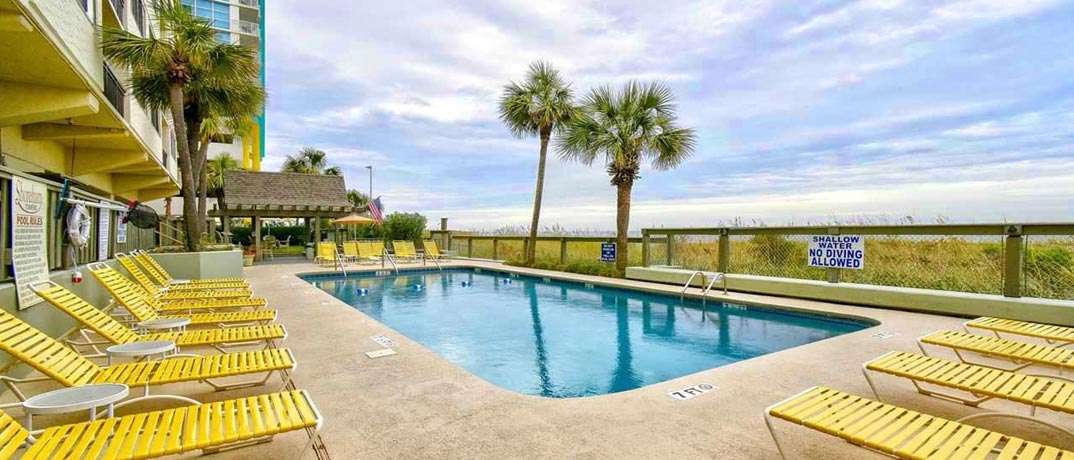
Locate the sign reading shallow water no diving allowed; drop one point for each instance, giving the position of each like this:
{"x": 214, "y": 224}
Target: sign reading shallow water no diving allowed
{"x": 837, "y": 251}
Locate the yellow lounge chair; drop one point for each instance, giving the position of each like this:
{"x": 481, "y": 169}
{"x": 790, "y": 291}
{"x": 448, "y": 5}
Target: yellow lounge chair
{"x": 165, "y": 279}
{"x": 432, "y": 251}
{"x": 194, "y": 300}
{"x": 366, "y": 251}
{"x": 116, "y": 333}
{"x": 159, "y": 433}
{"x": 1048, "y": 332}
{"x": 898, "y": 432}
{"x": 404, "y": 250}
{"x": 1055, "y": 393}
{"x": 180, "y": 294}
{"x": 1022, "y": 354}
{"x": 350, "y": 251}
{"x": 144, "y": 307}
{"x": 327, "y": 253}
{"x": 377, "y": 247}
{"x": 65, "y": 366}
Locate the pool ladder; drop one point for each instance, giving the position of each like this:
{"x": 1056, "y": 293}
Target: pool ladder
{"x": 387, "y": 256}
{"x": 718, "y": 276}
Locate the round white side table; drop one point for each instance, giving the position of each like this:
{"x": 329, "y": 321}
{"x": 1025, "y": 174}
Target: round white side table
{"x": 164, "y": 324}
{"x": 140, "y": 349}
{"x": 74, "y": 399}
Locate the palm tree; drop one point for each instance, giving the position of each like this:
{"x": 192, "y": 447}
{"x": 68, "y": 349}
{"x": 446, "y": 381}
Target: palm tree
{"x": 358, "y": 199}
{"x": 214, "y": 181}
{"x": 540, "y": 105}
{"x": 310, "y": 161}
{"x": 624, "y": 127}
{"x": 188, "y": 73}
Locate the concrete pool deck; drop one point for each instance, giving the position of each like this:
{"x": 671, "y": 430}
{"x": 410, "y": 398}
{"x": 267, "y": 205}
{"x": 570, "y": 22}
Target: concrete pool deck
{"x": 416, "y": 404}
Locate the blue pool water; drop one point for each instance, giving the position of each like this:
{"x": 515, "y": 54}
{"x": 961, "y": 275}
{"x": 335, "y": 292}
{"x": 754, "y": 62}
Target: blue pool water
{"x": 566, "y": 339}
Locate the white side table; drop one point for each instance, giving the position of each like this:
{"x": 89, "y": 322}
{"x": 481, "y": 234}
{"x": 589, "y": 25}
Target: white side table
{"x": 75, "y": 399}
{"x": 164, "y": 324}
{"x": 141, "y": 349}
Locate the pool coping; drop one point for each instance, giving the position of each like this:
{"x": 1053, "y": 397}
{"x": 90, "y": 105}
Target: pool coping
{"x": 871, "y": 323}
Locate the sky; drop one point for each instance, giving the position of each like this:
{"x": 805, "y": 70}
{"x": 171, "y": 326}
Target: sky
{"x": 805, "y": 111}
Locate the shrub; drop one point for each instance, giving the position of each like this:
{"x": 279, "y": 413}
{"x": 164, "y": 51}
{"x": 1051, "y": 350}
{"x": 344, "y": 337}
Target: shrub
{"x": 404, "y": 226}
{"x": 584, "y": 267}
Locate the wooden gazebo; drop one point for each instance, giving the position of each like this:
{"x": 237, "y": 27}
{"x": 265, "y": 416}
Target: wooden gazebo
{"x": 261, "y": 195}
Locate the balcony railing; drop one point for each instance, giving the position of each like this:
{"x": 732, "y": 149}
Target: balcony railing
{"x": 154, "y": 117}
{"x": 248, "y": 3}
{"x": 114, "y": 91}
{"x": 245, "y": 27}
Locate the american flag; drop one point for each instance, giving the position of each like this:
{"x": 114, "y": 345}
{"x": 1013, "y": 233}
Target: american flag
{"x": 374, "y": 210}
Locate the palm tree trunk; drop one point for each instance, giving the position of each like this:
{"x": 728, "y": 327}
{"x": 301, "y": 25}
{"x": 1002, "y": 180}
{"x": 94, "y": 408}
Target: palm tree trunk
{"x": 622, "y": 225}
{"x": 203, "y": 187}
{"x": 531, "y": 248}
{"x": 175, "y": 94}
{"x": 197, "y": 163}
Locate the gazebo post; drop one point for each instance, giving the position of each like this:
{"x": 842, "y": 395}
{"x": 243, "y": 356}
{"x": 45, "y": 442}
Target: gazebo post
{"x": 257, "y": 238}
{"x": 316, "y": 229}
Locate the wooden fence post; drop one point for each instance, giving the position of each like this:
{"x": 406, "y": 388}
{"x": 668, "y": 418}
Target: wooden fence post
{"x": 644, "y": 248}
{"x": 469, "y": 248}
{"x": 723, "y": 254}
{"x": 671, "y": 248}
{"x": 833, "y": 273}
{"x": 563, "y": 250}
{"x": 1013, "y": 259}
{"x": 495, "y": 249}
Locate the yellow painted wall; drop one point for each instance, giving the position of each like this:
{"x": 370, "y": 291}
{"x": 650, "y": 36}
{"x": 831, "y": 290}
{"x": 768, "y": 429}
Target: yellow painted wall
{"x": 37, "y": 156}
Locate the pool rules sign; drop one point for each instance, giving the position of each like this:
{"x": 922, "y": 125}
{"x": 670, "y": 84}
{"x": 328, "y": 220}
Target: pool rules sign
{"x": 837, "y": 251}
{"x": 28, "y": 237}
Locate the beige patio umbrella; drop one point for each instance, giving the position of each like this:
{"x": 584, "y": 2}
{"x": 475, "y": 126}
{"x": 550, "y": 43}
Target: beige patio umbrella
{"x": 354, "y": 220}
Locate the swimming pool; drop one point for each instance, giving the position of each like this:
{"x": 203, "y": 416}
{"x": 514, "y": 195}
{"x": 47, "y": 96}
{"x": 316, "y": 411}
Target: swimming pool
{"x": 567, "y": 339}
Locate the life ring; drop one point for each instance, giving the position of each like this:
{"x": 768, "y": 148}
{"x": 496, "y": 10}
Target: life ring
{"x": 78, "y": 225}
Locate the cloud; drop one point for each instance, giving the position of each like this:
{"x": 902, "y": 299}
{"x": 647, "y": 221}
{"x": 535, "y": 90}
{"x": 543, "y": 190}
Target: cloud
{"x": 829, "y": 108}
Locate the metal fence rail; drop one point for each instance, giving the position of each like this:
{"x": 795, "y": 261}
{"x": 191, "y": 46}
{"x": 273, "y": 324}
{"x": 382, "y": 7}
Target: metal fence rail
{"x": 1010, "y": 259}
{"x": 550, "y": 249}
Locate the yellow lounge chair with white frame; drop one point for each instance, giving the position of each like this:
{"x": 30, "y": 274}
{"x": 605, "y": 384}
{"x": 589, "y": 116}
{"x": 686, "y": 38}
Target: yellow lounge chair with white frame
{"x": 114, "y": 332}
{"x": 981, "y": 383}
{"x": 367, "y": 251}
{"x": 350, "y": 251}
{"x": 898, "y": 432}
{"x": 143, "y": 307}
{"x": 179, "y": 294}
{"x": 327, "y": 253}
{"x": 195, "y": 300}
{"x": 65, "y": 366}
{"x": 164, "y": 278}
{"x": 1021, "y": 354}
{"x": 432, "y": 251}
{"x": 404, "y": 251}
{"x": 1051, "y": 333}
{"x": 207, "y": 427}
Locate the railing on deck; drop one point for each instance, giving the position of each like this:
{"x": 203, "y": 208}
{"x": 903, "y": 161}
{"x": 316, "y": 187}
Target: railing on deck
{"x": 558, "y": 249}
{"x": 1034, "y": 260}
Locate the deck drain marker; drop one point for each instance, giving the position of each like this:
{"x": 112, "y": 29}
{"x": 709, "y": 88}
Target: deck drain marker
{"x": 380, "y": 353}
{"x": 383, "y": 341}
{"x": 882, "y": 335}
{"x": 691, "y": 392}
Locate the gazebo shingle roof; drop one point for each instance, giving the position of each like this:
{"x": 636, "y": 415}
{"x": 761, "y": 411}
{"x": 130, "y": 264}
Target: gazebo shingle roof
{"x": 275, "y": 189}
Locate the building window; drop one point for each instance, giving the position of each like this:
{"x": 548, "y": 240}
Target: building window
{"x": 88, "y": 8}
{"x": 154, "y": 117}
{"x": 216, "y": 12}
{"x": 121, "y": 10}
{"x": 138, "y": 10}
{"x": 113, "y": 90}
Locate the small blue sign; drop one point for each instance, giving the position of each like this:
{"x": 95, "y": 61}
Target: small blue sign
{"x": 607, "y": 252}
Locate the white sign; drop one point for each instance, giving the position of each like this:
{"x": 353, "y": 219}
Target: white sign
{"x": 383, "y": 341}
{"x": 380, "y": 353}
{"x": 104, "y": 221}
{"x": 837, "y": 251}
{"x": 691, "y": 392}
{"x": 28, "y": 237}
{"x": 121, "y": 228}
